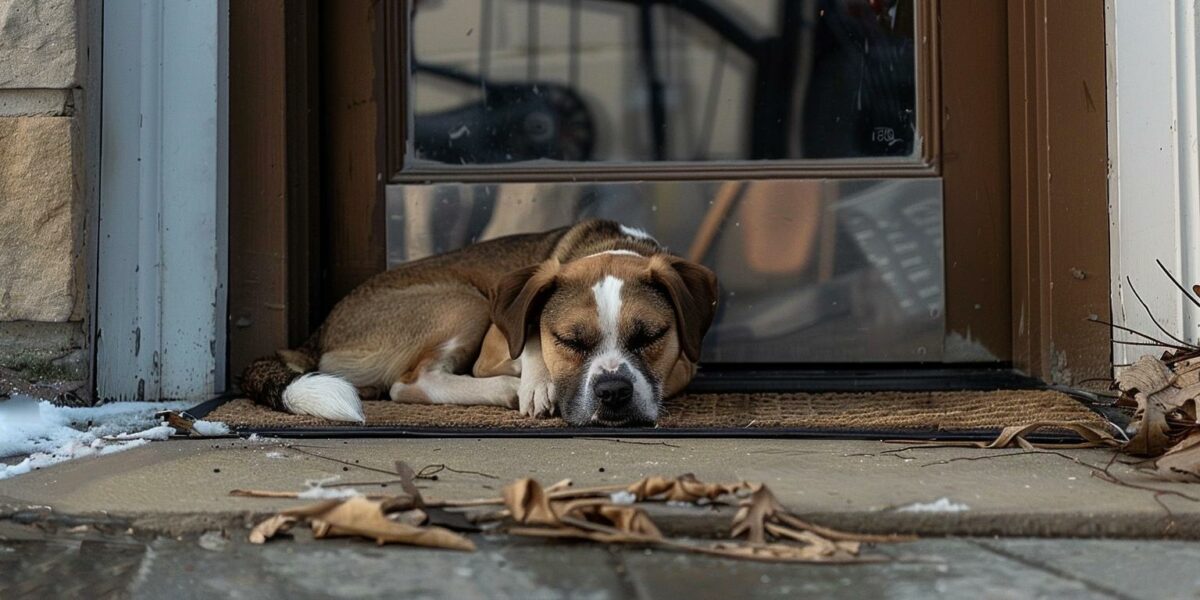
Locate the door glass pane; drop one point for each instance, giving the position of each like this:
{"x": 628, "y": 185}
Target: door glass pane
{"x": 510, "y": 81}
{"x": 810, "y": 271}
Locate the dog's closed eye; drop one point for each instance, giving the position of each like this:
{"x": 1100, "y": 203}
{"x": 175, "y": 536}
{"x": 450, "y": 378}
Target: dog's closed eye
{"x": 643, "y": 337}
{"x": 575, "y": 343}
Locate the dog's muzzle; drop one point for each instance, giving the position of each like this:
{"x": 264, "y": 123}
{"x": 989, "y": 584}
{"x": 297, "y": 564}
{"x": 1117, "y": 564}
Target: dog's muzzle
{"x": 613, "y": 393}
{"x": 615, "y": 398}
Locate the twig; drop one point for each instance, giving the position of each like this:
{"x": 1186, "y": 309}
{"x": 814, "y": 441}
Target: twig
{"x": 428, "y": 471}
{"x": 1105, "y": 476}
{"x": 1137, "y": 333}
{"x": 1148, "y": 344}
{"x": 1020, "y": 453}
{"x": 619, "y": 441}
{"x": 361, "y": 483}
{"x": 1177, "y": 284}
{"x": 1154, "y": 319}
{"x": 263, "y": 494}
{"x": 340, "y": 461}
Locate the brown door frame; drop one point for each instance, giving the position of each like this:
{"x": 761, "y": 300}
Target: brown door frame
{"x": 1022, "y": 97}
{"x": 274, "y": 179}
{"x": 1059, "y": 162}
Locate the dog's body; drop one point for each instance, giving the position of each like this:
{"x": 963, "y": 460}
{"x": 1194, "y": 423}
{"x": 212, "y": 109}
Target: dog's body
{"x": 595, "y": 322}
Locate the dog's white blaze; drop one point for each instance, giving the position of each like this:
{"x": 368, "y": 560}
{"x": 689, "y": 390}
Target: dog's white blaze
{"x": 608, "y": 304}
{"x": 611, "y": 357}
{"x": 322, "y": 395}
{"x": 640, "y": 234}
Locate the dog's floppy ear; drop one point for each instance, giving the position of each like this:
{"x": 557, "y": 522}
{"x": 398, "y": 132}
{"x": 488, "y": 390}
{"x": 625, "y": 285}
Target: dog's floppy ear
{"x": 692, "y": 289}
{"x": 518, "y": 299}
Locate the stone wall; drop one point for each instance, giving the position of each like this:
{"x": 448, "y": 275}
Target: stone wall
{"x": 41, "y": 201}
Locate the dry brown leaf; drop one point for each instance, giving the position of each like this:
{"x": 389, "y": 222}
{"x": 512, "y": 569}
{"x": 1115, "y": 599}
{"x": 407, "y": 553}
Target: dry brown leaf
{"x": 407, "y": 475}
{"x": 528, "y": 503}
{"x": 1162, "y": 395}
{"x": 796, "y": 523}
{"x": 783, "y": 553}
{"x": 753, "y": 514}
{"x": 1015, "y": 436}
{"x": 358, "y": 516}
{"x": 772, "y": 533}
{"x": 1181, "y": 462}
{"x": 625, "y": 519}
{"x": 685, "y": 488}
{"x": 181, "y": 423}
{"x": 365, "y": 518}
{"x": 821, "y": 546}
{"x": 271, "y": 527}
{"x": 559, "y": 486}
{"x": 1092, "y": 436}
{"x": 311, "y": 510}
{"x": 590, "y": 518}
{"x": 762, "y": 513}
{"x": 601, "y": 523}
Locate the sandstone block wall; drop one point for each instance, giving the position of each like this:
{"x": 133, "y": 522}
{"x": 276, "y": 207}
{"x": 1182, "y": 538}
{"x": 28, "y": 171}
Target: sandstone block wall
{"x": 41, "y": 201}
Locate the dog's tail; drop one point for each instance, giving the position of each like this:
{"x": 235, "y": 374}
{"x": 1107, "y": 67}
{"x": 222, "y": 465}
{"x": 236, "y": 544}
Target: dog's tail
{"x": 289, "y": 382}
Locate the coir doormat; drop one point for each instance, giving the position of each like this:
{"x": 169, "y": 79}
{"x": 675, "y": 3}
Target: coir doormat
{"x": 762, "y": 413}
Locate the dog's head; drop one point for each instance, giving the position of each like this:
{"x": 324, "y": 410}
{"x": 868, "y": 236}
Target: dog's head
{"x": 612, "y": 327}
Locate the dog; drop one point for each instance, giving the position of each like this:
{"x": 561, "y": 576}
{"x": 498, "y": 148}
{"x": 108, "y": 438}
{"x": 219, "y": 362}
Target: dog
{"x": 596, "y": 323}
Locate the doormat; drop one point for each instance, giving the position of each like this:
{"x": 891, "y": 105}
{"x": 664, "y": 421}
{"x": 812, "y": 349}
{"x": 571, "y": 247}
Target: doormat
{"x": 895, "y": 413}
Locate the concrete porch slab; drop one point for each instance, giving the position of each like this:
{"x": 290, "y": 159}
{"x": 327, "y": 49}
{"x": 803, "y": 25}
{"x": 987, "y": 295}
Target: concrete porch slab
{"x": 183, "y": 485}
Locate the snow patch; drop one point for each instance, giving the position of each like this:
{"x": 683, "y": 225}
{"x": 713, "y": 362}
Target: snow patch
{"x": 941, "y": 505}
{"x": 160, "y": 433}
{"x": 258, "y": 440}
{"x": 622, "y": 497}
{"x": 324, "y": 493}
{"x": 47, "y": 434}
{"x": 210, "y": 428}
{"x": 317, "y": 490}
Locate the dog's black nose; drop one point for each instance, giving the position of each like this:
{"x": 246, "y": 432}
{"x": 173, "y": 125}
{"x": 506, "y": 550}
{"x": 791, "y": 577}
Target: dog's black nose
{"x": 614, "y": 393}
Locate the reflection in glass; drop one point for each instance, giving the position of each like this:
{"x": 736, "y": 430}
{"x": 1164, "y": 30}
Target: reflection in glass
{"x": 810, "y": 270}
{"x": 506, "y": 81}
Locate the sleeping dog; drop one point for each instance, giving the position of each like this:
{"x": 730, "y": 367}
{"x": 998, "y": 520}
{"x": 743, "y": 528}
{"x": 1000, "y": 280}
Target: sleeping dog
{"x": 595, "y": 322}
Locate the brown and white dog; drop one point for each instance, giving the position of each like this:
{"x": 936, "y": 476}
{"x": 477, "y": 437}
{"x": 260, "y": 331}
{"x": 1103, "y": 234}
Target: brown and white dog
{"x": 595, "y": 322}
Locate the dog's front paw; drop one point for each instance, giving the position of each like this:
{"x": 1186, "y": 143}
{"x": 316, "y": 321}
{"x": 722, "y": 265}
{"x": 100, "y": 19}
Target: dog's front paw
{"x": 536, "y": 398}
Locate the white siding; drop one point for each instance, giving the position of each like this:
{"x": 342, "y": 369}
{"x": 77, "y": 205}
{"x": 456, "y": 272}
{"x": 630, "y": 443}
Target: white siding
{"x": 1155, "y": 172}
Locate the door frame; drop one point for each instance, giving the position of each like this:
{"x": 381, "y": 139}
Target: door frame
{"x": 160, "y": 220}
{"x": 1059, "y": 213}
{"x": 1011, "y": 106}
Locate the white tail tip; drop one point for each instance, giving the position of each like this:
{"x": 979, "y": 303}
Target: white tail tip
{"x": 325, "y": 396}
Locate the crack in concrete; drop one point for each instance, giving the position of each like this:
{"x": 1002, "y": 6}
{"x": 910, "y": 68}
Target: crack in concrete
{"x": 1061, "y": 574}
